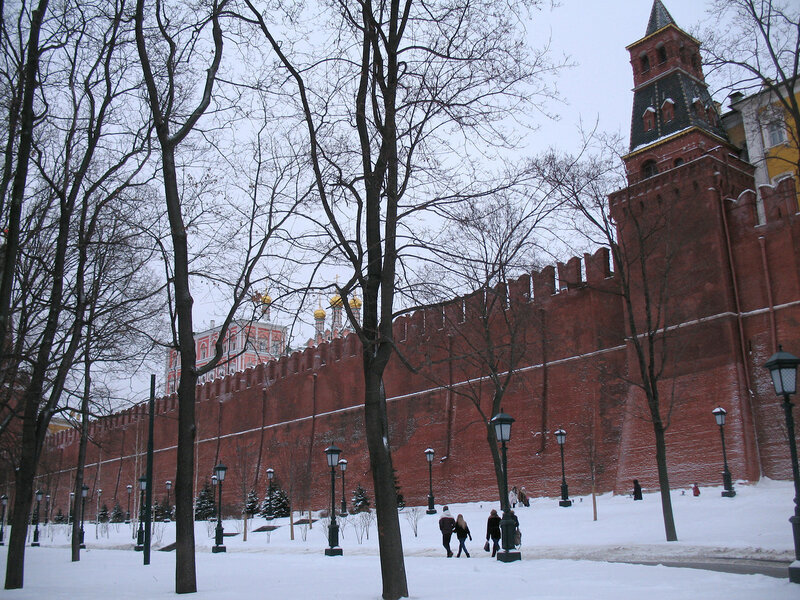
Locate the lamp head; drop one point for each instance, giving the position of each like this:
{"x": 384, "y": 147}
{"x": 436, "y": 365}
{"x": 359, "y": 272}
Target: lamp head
{"x": 332, "y": 453}
{"x": 561, "y": 436}
{"x": 783, "y": 368}
{"x": 429, "y": 453}
{"x": 502, "y": 426}
{"x": 719, "y": 414}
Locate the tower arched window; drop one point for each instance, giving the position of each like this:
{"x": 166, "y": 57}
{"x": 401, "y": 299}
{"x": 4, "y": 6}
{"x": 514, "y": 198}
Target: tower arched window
{"x": 661, "y": 52}
{"x": 649, "y": 169}
{"x": 644, "y": 62}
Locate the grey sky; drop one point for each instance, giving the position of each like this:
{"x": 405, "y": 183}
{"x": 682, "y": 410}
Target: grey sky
{"x": 594, "y": 34}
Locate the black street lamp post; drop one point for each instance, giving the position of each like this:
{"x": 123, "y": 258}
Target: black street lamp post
{"x": 46, "y": 509}
{"x": 429, "y": 457}
{"x": 783, "y": 368}
{"x": 168, "y": 518}
{"x": 3, "y": 504}
{"x": 128, "y": 512}
{"x": 39, "y": 495}
{"x": 270, "y": 511}
{"x": 333, "y": 453}
{"x": 502, "y": 430}
{"x": 561, "y": 437}
{"x": 71, "y": 507}
{"x": 728, "y": 491}
{"x": 343, "y": 468}
{"x": 220, "y": 471}
{"x": 140, "y": 533}
{"x": 84, "y": 493}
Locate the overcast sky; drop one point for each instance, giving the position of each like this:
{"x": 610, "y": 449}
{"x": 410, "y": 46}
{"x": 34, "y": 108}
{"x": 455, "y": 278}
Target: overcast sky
{"x": 594, "y": 34}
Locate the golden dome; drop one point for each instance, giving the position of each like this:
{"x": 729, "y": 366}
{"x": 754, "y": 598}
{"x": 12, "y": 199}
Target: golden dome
{"x": 355, "y": 303}
{"x": 319, "y": 313}
{"x": 266, "y": 298}
{"x": 336, "y": 301}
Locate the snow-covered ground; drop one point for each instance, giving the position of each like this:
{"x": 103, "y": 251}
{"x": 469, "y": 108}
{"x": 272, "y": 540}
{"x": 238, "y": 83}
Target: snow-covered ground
{"x": 565, "y": 555}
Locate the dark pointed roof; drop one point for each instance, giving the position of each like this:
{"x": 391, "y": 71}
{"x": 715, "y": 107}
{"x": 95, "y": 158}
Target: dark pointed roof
{"x": 659, "y": 17}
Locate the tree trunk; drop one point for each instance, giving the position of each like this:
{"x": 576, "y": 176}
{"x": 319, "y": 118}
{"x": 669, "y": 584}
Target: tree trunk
{"x": 15, "y": 565}
{"x": 185, "y": 569}
{"x": 76, "y": 527}
{"x": 390, "y": 541}
{"x": 663, "y": 482}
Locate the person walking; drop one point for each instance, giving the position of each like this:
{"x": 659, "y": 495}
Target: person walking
{"x": 695, "y": 490}
{"x": 493, "y": 531}
{"x": 512, "y": 497}
{"x": 523, "y": 497}
{"x": 637, "y": 490}
{"x": 446, "y": 525}
{"x": 462, "y": 531}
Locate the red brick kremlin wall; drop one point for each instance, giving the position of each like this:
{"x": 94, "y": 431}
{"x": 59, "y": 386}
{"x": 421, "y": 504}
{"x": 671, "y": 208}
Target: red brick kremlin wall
{"x": 739, "y": 297}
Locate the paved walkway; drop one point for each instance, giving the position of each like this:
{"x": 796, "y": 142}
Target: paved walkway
{"x": 741, "y": 566}
{"x": 746, "y": 561}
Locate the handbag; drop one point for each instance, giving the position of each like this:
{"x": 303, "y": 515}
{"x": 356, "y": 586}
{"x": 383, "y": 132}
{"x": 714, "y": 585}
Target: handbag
{"x": 486, "y": 546}
{"x": 517, "y": 537}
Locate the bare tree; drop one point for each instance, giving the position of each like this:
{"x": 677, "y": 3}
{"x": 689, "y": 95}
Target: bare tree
{"x": 400, "y": 101}
{"x": 495, "y": 241}
{"x": 179, "y": 44}
{"x": 80, "y": 173}
{"x": 642, "y": 253}
{"x": 22, "y": 80}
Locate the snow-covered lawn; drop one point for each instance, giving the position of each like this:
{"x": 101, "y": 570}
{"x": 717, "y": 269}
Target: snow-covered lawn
{"x": 753, "y": 525}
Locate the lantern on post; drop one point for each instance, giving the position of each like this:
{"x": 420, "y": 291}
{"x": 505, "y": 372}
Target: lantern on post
{"x": 219, "y": 472}
{"x": 783, "y": 368}
{"x": 332, "y": 454}
{"x": 728, "y": 491}
{"x": 502, "y": 431}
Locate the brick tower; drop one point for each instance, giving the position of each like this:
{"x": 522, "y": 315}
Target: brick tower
{"x": 672, "y": 224}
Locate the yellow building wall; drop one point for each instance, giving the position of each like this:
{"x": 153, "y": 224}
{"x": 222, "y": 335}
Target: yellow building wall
{"x": 784, "y": 158}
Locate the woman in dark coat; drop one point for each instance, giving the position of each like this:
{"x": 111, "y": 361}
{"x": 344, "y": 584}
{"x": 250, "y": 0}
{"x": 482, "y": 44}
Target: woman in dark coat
{"x": 462, "y": 531}
{"x": 637, "y": 490}
{"x": 493, "y": 531}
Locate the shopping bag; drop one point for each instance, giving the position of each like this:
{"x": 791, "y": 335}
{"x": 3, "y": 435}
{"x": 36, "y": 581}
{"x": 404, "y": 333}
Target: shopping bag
{"x": 486, "y": 546}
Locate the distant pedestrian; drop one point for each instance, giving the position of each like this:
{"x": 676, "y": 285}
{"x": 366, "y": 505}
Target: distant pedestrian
{"x": 695, "y": 490}
{"x": 446, "y": 525}
{"x": 512, "y": 497}
{"x": 493, "y": 531}
{"x": 637, "y": 490}
{"x": 517, "y": 532}
{"x": 462, "y": 531}
{"x": 523, "y": 497}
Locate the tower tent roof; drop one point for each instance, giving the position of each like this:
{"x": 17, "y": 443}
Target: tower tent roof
{"x": 659, "y": 17}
